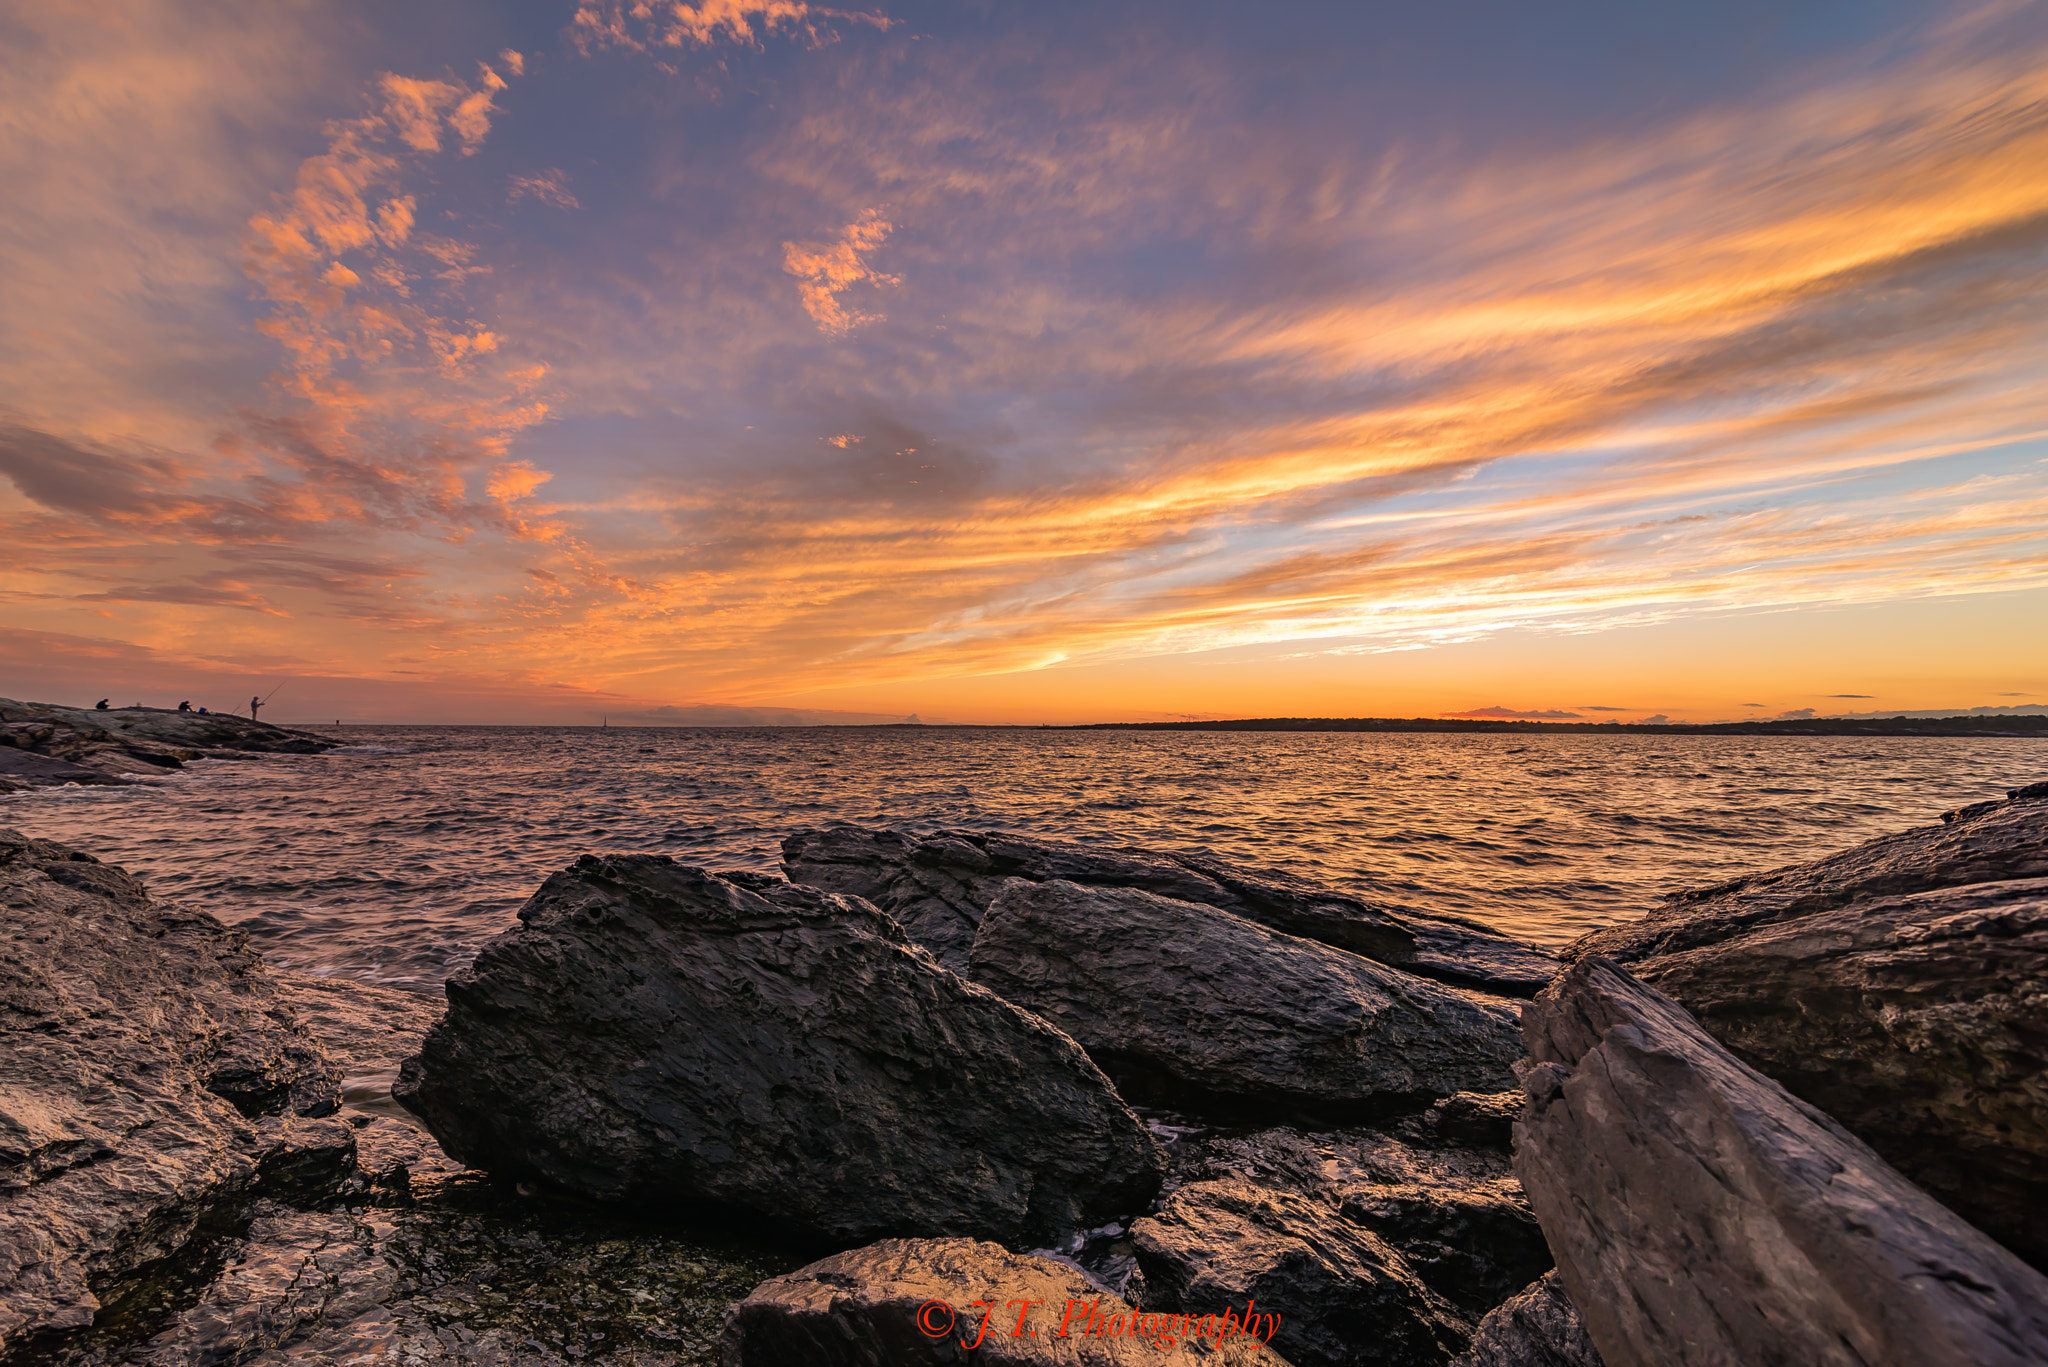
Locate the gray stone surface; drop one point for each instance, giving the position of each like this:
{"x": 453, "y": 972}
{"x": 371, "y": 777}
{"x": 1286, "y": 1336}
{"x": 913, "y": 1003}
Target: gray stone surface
{"x": 655, "y": 1033}
{"x": 46, "y": 745}
{"x": 1918, "y": 1022}
{"x": 1902, "y": 987}
{"x": 1538, "y": 1327}
{"x": 1451, "y": 1207}
{"x": 1226, "y": 1005}
{"x": 1345, "y": 1296}
{"x": 879, "y": 1307}
{"x": 1702, "y": 1214}
{"x": 151, "y": 1076}
{"x": 1984, "y": 843}
{"x": 939, "y": 887}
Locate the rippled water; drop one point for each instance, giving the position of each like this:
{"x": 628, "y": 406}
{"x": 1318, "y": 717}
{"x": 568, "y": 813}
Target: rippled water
{"x": 396, "y": 857}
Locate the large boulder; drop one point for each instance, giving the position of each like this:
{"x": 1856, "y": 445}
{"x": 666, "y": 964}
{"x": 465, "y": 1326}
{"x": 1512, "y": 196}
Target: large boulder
{"x": 1219, "y": 1003}
{"x": 1920, "y": 1023}
{"x": 151, "y": 1076}
{"x": 1902, "y": 987}
{"x": 941, "y": 885}
{"x": 1984, "y": 843}
{"x": 1702, "y": 1214}
{"x": 903, "y": 1302}
{"x": 1538, "y": 1327}
{"x": 1344, "y": 1296}
{"x": 653, "y": 1032}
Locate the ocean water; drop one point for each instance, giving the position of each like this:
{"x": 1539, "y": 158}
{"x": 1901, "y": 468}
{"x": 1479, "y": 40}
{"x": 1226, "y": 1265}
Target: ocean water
{"x": 394, "y": 858}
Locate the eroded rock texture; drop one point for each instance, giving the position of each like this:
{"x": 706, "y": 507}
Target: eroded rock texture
{"x": 940, "y": 886}
{"x": 1439, "y": 1191}
{"x": 1227, "y": 1005}
{"x": 879, "y": 1307}
{"x": 150, "y": 1076}
{"x": 1902, "y": 987}
{"x": 1539, "y": 1327}
{"x": 1345, "y": 1296}
{"x": 1702, "y": 1214}
{"x": 654, "y": 1032}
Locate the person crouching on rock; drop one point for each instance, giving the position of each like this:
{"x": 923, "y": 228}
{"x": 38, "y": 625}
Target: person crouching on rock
{"x": 100, "y": 706}
{"x": 184, "y": 707}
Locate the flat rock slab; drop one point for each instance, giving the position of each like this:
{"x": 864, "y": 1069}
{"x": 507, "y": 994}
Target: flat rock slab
{"x": 1344, "y": 1296}
{"x": 1918, "y": 1022}
{"x": 1985, "y": 843}
{"x": 903, "y": 1302}
{"x": 941, "y": 885}
{"x": 652, "y": 1032}
{"x": 1537, "y": 1328}
{"x": 150, "y": 1076}
{"x": 1702, "y": 1214}
{"x": 1230, "y": 1006}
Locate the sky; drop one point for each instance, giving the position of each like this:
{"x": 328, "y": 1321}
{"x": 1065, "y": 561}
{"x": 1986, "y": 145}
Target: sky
{"x": 756, "y": 361}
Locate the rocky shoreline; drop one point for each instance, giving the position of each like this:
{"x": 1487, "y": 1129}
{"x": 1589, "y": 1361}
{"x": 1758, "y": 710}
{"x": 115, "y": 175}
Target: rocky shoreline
{"x": 1204, "y": 1112}
{"x": 43, "y": 745}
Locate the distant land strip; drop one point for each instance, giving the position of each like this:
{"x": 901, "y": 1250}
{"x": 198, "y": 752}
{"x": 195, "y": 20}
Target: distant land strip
{"x": 1810, "y": 726}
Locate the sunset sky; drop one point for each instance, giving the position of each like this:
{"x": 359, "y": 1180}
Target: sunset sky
{"x": 1024, "y": 362}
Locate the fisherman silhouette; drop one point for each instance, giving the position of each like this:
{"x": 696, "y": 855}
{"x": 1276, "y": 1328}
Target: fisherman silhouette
{"x": 254, "y": 703}
{"x": 100, "y": 706}
{"x": 184, "y": 707}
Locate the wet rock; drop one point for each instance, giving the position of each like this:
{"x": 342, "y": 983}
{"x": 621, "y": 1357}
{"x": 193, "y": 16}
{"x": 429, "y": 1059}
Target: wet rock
{"x": 1227, "y": 1005}
{"x": 940, "y": 886}
{"x": 1344, "y": 1295}
{"x": 906, "y": 1301}
{"x": 1702, "y": 1214}
{"x": 150, "y": 1078}
{"x": 318, "y": 1282}
{"x": 654, "y": 1033}
{"x": 1984, "y": 843}
{"x": 1455, "y": 1213}
{"x": 1919, "y": 1023}
{"x": 1537, "y": 1328}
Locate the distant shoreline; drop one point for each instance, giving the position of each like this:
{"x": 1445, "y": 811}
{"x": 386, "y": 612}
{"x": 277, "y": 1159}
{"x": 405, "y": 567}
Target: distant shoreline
{"x": 2020, "y": 726}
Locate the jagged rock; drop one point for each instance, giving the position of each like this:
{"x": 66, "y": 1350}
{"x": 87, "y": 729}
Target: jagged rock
{"x": 150, "y": 1077}
{"x": 1917, "y": 1019}
{"x": 1920, "y": 1023}
{"x": 1344, "y": 1296}
{"x": 1455, "y": 1212}
{"x": 654, "y": 1032}
{"x": 43, "y": 744}
{"x": 1537, "y": 1328}
{"x": 1702, "y": 1214}
{"x": 1983, "y": 843}
{"x": 1230, "y": 1006}
{"x": 902, "y": 1302}
{"x": 940, "y": 886}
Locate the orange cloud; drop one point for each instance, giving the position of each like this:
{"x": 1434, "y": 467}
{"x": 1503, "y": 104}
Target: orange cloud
{"x": 640, "y": 26}
{"x": 824, "y": 271}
